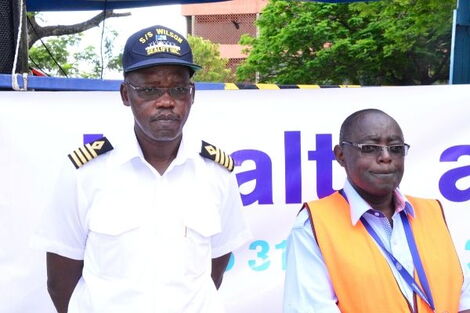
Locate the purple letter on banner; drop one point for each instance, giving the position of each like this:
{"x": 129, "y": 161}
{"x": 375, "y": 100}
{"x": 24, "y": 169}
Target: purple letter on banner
{"x": 324, "y": 157}
{"x": 293, "y": 170}
{"x": 262, "y": 174}
{"x": 87, "y": 138}
{"x": 448, "y": 181}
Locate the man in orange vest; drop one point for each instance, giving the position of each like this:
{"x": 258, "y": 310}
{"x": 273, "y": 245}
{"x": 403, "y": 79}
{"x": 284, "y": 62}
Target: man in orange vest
{"x": 368, "y": 247}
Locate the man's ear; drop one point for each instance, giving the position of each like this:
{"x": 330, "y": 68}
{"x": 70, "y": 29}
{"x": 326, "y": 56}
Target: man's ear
{"x": 194, "y": 93}
{"x": 124, "y": 94}
{"x": 339, "y": 155}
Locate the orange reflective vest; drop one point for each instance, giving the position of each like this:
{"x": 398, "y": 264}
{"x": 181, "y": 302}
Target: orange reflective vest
{"x": 360, "y": 275}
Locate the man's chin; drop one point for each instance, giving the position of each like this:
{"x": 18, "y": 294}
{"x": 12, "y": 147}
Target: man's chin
{"x": 383, "y": 189}
{"x": 166, "y": 137}
{"x": 379, "y": 189}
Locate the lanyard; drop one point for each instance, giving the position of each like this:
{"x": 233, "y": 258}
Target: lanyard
{"x": 426, "y": 294}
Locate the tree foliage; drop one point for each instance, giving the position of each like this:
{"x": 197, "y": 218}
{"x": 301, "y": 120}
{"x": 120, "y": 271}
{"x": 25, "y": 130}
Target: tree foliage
{"x": 36, "y": 31}
{"x": 207, "y": 55}
{"x": 73, "y": 61}
{"x": 60, "y": 55}
{"x": 394, "y": 42}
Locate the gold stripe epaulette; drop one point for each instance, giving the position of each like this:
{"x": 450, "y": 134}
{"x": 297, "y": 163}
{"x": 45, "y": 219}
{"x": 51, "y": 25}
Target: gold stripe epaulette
{"x": 89, "y": 151}
{"x": 211, "y": 152}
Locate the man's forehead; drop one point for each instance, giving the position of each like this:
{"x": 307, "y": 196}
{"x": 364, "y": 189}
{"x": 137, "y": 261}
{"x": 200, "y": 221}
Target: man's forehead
{"x": 375, "y": 126}
{"x": 167, "y": 70}
{"x": 164, "y": 68}
{"x": 380, "y": 136}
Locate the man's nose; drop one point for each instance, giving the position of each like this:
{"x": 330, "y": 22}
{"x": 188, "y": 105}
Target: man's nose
{"x": 384, "y": 154}
{"x": 165, "y": 100}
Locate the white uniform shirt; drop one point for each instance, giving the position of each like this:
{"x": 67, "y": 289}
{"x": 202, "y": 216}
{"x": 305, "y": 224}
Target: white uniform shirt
{"x": 146, "y": 239}
{"x": 308, "y": 287}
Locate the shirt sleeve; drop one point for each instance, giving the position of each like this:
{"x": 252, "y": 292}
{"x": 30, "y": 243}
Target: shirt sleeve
{"x": 235, "y": 231}
{"x": 307, "y": 287}
{"x": 61, "y": 229}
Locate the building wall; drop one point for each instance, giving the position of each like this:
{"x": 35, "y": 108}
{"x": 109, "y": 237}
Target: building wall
{"x": 224, "y": 23}
{"x": 225, "y": 7}
{"x": 224, "y": 28}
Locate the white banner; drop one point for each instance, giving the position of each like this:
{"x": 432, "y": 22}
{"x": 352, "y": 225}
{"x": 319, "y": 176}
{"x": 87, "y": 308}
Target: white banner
{"x": 282, "y": 141}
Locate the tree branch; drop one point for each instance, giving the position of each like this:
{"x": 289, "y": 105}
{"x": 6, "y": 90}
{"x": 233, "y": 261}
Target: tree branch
{"x": 439, "y": 73}
{"x": 35, "y": 32}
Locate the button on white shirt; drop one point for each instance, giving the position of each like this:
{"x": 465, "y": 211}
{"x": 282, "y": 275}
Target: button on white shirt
{"x": 146, "y": 239}
{"x": 308, "y": 288}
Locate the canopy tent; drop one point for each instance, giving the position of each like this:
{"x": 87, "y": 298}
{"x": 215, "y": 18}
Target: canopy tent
{"x": 69, "y": 5}
{"x": 83, "y": 5}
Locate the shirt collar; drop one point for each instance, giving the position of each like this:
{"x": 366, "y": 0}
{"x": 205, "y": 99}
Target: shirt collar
{"x": 188, "y": 150}
{"x": 358, "y": 206}
{"x": 127, "y": 148}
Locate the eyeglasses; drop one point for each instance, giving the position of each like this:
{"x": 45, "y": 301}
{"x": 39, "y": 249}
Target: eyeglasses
{"x": 371, "y": 149}
{"x": 152, "y": 93}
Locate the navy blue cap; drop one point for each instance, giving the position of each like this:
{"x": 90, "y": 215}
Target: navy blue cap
{"x": 157, "y": 45}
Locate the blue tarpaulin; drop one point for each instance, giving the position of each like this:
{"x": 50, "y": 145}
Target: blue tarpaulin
{"x": 336, "y": 1}
{"x": 83, "y": 5}
{"x": 71, "y": 5}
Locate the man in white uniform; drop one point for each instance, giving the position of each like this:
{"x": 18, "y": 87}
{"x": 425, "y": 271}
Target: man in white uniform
{"x": 145, "y": 223}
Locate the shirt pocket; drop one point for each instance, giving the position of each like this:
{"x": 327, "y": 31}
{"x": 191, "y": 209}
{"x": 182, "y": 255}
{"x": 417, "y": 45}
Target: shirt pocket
{"x": 113, "y": 248}
{"x": 199, "y": 230}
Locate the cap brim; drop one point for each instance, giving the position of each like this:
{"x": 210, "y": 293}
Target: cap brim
{"x": 161, "y": 61}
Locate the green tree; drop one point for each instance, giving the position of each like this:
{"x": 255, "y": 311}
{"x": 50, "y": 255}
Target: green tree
{"x": 207, "y": 55}
{"x": 84, "y": 63}
{"x": 395, "y": 42}
{"x": 63, "y": 40}
{"x": 60, "y": 50}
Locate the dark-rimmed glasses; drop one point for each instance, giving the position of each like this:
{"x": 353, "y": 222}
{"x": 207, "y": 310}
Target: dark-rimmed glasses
{"x": 371, "y": 149}
{"x": 152, "y": 93}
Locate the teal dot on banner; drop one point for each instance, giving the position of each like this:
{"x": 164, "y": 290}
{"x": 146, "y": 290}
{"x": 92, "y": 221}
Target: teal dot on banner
{"x": 467, "y": 247}
{"x": 231, "y": 262}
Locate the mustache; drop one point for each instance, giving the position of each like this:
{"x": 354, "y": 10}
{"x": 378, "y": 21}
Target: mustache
{"x": 165, "y": 116}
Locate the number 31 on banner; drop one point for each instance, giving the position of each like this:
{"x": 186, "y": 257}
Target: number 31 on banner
{"x": 261, "y": 260}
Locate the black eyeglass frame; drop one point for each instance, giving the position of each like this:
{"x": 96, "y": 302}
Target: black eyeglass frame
{"x": 376, "y": 150}
{"x": 174, "y": 92}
